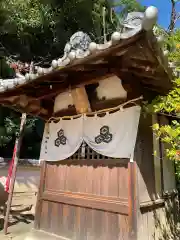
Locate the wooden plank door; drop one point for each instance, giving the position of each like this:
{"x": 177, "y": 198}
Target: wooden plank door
{"x": 84, "y": 197}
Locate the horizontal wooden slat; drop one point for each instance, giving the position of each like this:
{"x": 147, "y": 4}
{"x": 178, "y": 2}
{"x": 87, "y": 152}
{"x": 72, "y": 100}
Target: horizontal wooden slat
{"x": 159, "y": 202}
{"x": 87, "y": 195}
{"x": 88, "y": 201}
{"x": 150, "y": 204}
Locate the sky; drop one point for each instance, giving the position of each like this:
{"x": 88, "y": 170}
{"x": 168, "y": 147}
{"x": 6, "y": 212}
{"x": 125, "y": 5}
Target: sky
{"x": 164, "y": 7}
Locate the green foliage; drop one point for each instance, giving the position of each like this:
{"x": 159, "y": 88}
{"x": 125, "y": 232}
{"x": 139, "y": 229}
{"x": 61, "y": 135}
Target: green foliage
{"x": 177, "y": 173}
{"x": 10, "y": 122}
{"x": 39, "y": 29}
{"x": 24, "y": 25}
{"x": 5, "y": 70}
{"x": 173, "y": 42}
{"x": 126, "y": 6}
{"x": 170, "y": 134}
{"x": 25, "y": 14}
{"x": 34, "y": 30}
{"x": 170, "y": 104}
{"x": 129, "y": 6}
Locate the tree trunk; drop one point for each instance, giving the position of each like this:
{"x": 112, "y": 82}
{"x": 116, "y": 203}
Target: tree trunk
{"x": 173, "y": 17}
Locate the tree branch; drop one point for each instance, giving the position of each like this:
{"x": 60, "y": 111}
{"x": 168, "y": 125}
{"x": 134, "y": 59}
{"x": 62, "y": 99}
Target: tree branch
{"x": 177, "y": 17}
{"x": 173, "y": 17}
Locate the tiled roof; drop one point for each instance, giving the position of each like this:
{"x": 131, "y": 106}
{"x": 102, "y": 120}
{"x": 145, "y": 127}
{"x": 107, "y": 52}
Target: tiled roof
{"x": 80, "y": 46}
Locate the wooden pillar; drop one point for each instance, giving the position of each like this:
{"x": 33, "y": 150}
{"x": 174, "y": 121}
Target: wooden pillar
{"x": 39, "y": 196}
{"x": 132, "y": 200}
{"x": 157, "y": 161}
{"x": 80, "y": 99}
{"x": 16, "y": 159}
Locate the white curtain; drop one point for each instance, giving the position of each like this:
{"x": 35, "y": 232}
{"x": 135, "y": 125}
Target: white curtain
{"x": 63, "y": 140}
{"x": 43, "y": 152}
{"x": 113, "y": 135}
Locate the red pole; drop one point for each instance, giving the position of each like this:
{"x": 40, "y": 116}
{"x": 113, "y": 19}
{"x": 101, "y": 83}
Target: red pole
{"x": 14, "y": 169}
{"x": 10, "y": 170}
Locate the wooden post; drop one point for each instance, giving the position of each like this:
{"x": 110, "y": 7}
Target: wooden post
{"x": 39, "y": 196}
{"x": 17, "y": 153}
{"x": 132, "y": 201}
{"x": 157, "y": 161}
{"x": 80, "y": 99}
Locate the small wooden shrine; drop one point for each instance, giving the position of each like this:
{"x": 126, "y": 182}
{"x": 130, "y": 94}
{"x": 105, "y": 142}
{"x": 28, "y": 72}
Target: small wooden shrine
{"x": 98, "y": 180}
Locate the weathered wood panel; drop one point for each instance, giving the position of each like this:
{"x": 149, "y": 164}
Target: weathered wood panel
{"x": 145, "y": 160}
{"x": 95, "y": 177}
{"x": 159, "y": 222}
{"x": 84, "y": 198}
{"x": 82, "y": 223}
{"x": 157, "y": 214}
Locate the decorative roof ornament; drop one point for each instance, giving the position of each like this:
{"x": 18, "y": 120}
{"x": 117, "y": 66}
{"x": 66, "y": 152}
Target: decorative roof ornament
{"x": 166, "y": 53}
{"x": 160, "y": 39}
{"x": 79, "y": 43}
{"x": 77, "y": 47}
{"x": 150, "y": 18}
{"x": 132, "y": 24}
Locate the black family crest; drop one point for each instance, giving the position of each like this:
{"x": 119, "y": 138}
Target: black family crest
{"x": 104, "y": 136}
{"x": 61, "y": 139}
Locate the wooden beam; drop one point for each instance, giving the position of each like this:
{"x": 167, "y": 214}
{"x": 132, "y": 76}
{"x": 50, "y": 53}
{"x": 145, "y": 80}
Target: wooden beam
{"x": 153, "y": 204}
{"x": 86, "y": 79}
{"x": 25, "y": 104}
{"x": 49, "y": 88}
{"x": 80, "y": 99}
{"x": 144, "y": 62}
{"x": 90, "y": 201}
{"x": 39, "y": 114}
{"x": 142, "y": 74}
{"x": 89, "y": 67}
{"x": 132, "y": 200}
{"x": 52, "y": 92}
{"x": 163, "y": 61}
{"x": 81, "y": 82}
{"x": 16, "y": 159}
